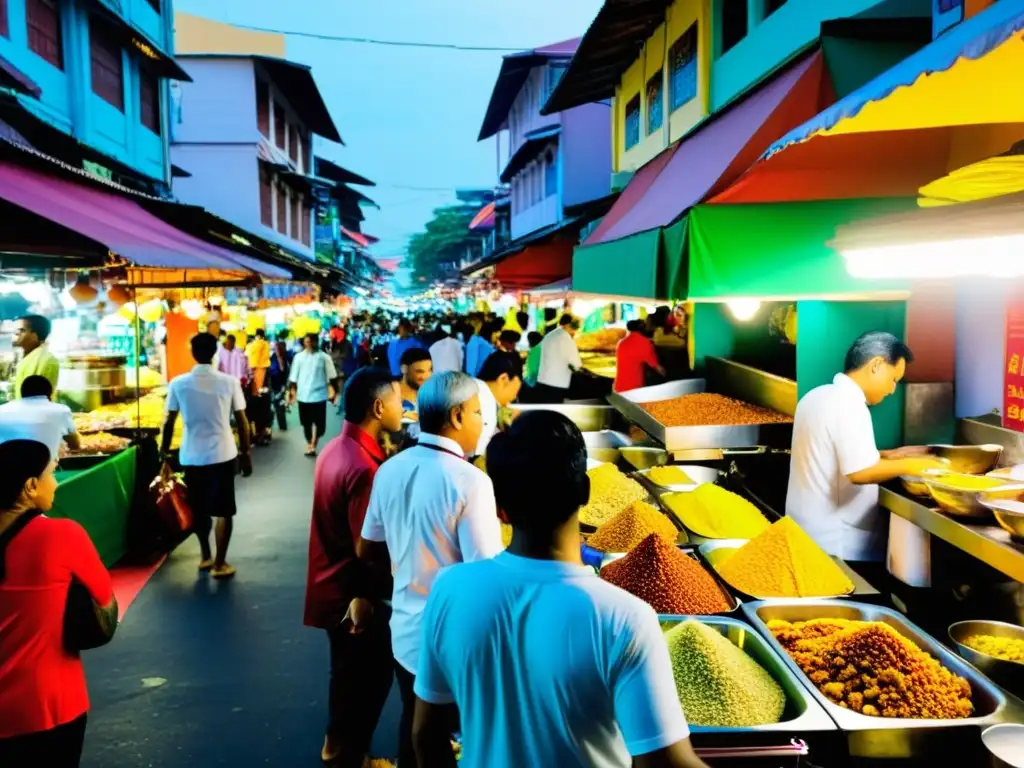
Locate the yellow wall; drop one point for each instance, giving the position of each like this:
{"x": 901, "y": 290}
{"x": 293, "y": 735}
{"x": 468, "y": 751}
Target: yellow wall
{"x": 194, "y": 34}
{"x": 654, "y": 57}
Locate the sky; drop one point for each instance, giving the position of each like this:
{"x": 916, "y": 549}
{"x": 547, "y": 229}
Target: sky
{"x": 409, "y": 116}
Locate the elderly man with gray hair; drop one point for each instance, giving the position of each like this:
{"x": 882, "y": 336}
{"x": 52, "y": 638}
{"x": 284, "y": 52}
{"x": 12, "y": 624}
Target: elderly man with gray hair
{"x": 429, "y": 508}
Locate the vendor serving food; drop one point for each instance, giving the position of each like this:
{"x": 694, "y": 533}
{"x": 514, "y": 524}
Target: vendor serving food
{"x": 836, "y": 466}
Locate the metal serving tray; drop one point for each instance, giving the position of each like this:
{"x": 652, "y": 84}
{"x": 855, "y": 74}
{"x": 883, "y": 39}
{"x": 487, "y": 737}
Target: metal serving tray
{"x": 710, "y": 546}
{"x": 689, "y": 551}
{"x": 802, "y": 712}
{"x": 589, "y": 417}
{"x": 886, "y": 736}
{"x": 695, "y": 472}
{"x": 681, "y": 438}
{"x": 606, "y": 445}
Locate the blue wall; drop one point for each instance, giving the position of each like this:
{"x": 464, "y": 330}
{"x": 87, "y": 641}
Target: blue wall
{"x": 68, "y": 101}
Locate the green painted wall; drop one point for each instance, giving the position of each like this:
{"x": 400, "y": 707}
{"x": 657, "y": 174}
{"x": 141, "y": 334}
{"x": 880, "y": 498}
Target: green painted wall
{"x": 716, "y": 333}
{"x": 825, "y": 331}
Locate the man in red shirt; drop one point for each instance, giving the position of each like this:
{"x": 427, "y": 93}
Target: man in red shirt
{"x": 633, "y": 356}
{"x": 343, "y": 595}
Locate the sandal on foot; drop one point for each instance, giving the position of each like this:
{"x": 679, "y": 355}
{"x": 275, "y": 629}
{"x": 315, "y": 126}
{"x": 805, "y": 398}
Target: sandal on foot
{"x": 224, "y": 572}
{"x": 205, "y": 565}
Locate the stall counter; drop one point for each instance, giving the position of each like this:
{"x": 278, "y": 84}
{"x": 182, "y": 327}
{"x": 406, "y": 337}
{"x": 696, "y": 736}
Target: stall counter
{"x": 100, "y": 499}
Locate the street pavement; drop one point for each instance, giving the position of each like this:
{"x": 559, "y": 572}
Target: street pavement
{"x": 206, "y": 673}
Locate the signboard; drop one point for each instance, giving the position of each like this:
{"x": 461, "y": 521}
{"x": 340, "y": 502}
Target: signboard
{"x": 1013, "y": 373}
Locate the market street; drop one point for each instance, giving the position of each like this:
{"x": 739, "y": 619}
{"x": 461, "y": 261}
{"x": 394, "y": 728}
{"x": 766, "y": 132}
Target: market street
{"x": 210, "y": 673}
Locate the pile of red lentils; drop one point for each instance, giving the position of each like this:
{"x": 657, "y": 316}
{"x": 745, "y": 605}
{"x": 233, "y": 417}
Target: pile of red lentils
{"x": 668, "y": 579}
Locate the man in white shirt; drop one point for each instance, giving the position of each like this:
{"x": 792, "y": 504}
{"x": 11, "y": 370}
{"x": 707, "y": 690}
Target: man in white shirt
{"x": 36, "y": 417}
{"x": 206, "y": 399}
{"x": 836, "y": 466}
{"x": 559, "y": 359}
{"x": 501, "y": 378}
{"x": 429, "y": 508}
{"x": 447, "y": 353}
{"x": 547, "y": 664}
{"x": 313, "y": 381}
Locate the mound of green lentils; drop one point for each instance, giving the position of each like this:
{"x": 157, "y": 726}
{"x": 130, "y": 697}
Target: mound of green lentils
{"x": 718, "y": 683}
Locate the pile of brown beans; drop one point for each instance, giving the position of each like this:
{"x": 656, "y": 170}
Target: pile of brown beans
{"x": 709, "y": 409}
{"x": 668, "y": 580}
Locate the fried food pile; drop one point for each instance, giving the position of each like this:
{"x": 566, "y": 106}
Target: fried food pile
{"x": 707, "y": 408}
{"x": 868, "y": 667}
{"x": 610, "y": 493}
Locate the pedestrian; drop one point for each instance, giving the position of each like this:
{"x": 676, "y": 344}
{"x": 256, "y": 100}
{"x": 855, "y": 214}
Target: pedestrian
{"x": 232, "y": 361}
{"x": 258, "y": 355}
{"x": 44, "y": 702}
{"x": 635, "y": 355}
{"x": 35, "y": 416}
{"x": 416, "y": 368}
{"x": 429, "y": 508}
{"x": 30, "y": 335}
{"x": 559, "y": 359}
{"x": 448, "y": 353}
{"x": 343, "y": 595}
{"x": 313, "y": 381}
{"x": 501, "y": 379}
{"x": 480, "y": 346}
{"x": 398, "y": 346}
{"x": 549, "y": 664}
{"x": 205, "y": 400}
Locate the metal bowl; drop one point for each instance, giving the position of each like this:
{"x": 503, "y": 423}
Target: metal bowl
{"x": 969, "y": 459}
{"x": 959, "y": 502}
{"x": 605, "y": 445}
{"x": 1009, "y": 674}
{"x": 1008, "y": 507}
{"x": 1005, "y": 744}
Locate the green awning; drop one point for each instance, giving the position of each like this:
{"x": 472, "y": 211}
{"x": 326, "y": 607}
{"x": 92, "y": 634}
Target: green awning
{"x": 647, "y": 265}
{"x": 778, "y": 251}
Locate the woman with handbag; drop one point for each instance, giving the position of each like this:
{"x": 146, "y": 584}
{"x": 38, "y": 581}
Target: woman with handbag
{"x": 56, "y": 599}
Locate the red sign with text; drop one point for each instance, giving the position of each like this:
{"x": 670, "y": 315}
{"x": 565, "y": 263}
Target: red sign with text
{"x": 1013, "y": 375}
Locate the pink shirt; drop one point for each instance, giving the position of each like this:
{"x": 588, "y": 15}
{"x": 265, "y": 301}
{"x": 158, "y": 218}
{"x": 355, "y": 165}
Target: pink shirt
{"x": 233, "y": 362}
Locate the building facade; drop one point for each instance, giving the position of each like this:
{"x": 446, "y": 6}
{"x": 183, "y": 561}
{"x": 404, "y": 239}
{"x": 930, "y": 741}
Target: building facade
{"x": 552, "y": 162}
{"x": 243, "y": 128}
{"x": 99, "y": 72}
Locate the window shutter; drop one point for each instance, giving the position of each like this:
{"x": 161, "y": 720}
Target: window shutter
{"x": 5, "y": 29}
{"x": 263, "y": 108}
{"x": 44, "y": 34}
{"x": 282, "y": 210}
{"x": 106, "y": 65}
{"x": 266, "y": 199}
{"x": 149, "y": 100}
{"x": 279, "y": 125}
{"x": 296, "y": 221}
{"x": 307, "y": 224}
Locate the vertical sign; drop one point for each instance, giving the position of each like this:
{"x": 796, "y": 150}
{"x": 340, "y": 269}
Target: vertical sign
{"x": 1013, "y": 374}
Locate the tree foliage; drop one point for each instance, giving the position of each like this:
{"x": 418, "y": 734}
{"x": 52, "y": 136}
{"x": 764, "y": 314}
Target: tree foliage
{"x": 437, "y": 252}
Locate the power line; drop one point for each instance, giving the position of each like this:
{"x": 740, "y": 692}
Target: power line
{"x": 375, "y": 41}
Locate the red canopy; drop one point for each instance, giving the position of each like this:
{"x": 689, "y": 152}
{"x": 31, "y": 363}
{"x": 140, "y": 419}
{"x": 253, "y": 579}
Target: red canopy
{"x": 536, "y": 265}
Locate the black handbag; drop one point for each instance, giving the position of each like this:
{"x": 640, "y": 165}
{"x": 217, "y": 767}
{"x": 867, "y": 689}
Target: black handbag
{"x": 87, "y": 624}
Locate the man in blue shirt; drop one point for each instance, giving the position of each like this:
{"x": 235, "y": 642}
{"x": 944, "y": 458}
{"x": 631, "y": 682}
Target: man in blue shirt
{"x": 397, "y": 347}
{"x": 312, "y": 381}
{"x": 479, "y": 348}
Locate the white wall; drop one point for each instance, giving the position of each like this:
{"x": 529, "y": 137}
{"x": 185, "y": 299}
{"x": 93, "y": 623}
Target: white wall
{"x": 980, "y": 346}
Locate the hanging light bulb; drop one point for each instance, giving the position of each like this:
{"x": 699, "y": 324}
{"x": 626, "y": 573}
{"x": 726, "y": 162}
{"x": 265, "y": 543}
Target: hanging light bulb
{"x": 82, "y": 291}
{"x": 118, "y": 295}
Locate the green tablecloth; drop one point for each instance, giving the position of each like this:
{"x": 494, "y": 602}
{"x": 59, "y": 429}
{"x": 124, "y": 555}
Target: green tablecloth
{"x": 100, "y": 498}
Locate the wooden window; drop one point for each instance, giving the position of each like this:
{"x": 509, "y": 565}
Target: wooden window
{"x": 106, "y": 65}
{"x": 263, "y": 108}
{"x": 307, "y": 225}
{"x": 282, "y": 210}
{"x": 5, "y": 29}
{"x": 733, "y": 23}
{"x": 149, "y": 99}
{"x": 632, "y": 137}
{"x": 293, "y": 144}
{"x": 44, "y": 32}
{"x": 655, "y": 102}
{"x": 280, "y": 126}
{"x": 296, "y": 217}
{"x": 682, "y": 75}
{"x": 266, "y": 199}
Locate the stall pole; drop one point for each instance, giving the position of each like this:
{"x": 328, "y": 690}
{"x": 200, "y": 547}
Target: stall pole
{"x": 138, "y": 357}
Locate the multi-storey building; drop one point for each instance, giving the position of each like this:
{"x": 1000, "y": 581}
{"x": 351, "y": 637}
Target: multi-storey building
{"x": 88, "y": 81}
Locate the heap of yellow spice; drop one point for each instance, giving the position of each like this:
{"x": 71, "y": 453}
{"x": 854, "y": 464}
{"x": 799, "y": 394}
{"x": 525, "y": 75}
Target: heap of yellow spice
{"x": 715, "y": 513}
{"x": 610, "y": 493}
{"x": 784, "y": 562}
{"x": 669, "y": 475}
{"x": 631, "y": 526}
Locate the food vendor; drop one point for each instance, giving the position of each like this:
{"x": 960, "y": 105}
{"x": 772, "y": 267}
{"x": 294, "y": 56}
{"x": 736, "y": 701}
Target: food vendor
{"x": 634, "y": 355}
{"x": 836, "y": 466}
{"x": 34, "y": 416}
{"x": 559, "y": 359}
{"x": 30, "y": 335}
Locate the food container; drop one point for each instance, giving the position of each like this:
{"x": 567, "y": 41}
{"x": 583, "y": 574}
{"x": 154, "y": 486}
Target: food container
{"x": 915, "y": 484}
{"x": 734, "y": 602}
{"x": 589, "y": 417}
{"x": 695, "y": 472}
{"x": 606, "y": 445}
{"x": 960, "y": 502}
{"x": 1008, "y": 507}
{"x": 1005, "y": 745}
{"x": 802, "y": 713}
{"x": 708, "y": 549}
{"x": 887, "y": 737}
{"x": 1009, "y": 674}
{"x": 969, "y": 459}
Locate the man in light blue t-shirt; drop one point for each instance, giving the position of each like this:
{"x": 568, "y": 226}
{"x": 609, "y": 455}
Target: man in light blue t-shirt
{"x": 548, "y": 665}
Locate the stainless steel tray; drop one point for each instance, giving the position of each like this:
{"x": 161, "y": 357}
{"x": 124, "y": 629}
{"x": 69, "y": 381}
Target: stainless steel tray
{"x": 690, "y": 551}
{"x": 681, "y": 438}
{"x": 606, "y": 445}
{"x": 885, "y": 736}
{"x": 711, "y": 546}
{"x": 802, "y": 712}
{"x": 695, "y": 472}
{"x": 589, "y": 417}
